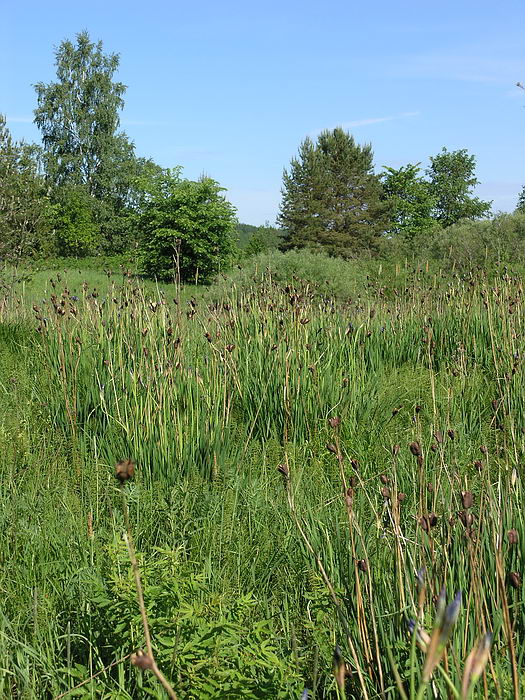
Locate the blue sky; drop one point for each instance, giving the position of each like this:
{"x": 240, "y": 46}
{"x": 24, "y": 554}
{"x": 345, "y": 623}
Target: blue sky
{"x": 231, "y": 88}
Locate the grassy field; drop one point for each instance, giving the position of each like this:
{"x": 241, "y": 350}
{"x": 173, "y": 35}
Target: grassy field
{"x": 327, "y": 491}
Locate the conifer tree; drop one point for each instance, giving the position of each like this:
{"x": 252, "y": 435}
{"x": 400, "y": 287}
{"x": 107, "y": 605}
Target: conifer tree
{"x": 331, "y": 198}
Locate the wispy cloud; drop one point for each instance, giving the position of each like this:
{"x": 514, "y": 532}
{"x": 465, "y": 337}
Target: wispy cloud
{"x": 377, "y": 120}
{"x": 369, "y": 120}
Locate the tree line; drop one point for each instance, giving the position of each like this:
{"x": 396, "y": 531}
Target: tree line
{"x": 84, "y": 190}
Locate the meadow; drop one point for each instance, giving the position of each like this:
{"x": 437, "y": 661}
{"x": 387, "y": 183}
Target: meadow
{"x": 327, "y": 497}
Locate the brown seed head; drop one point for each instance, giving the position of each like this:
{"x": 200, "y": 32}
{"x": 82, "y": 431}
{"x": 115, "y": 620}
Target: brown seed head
{"x": 478, "y": 464}
{"x": 467, "y": 498}
{"x": 451, "y": 433}
{"x": 466, "y": 518}
{"x": 515, "y": 579}
{"x": 362, "y": 565}
{"x": 385, "y": 492}
{"x": 125, "y": 470}
{"x": 415, "y": 448}
{"x": 384, "y": 479}
{"x": 283, "y": 469}
{"x": 483, "y": 450}
{"x": 512, "y": 536}
{"x": 438, "y": 436}
{"x": 395, "y": 450}
{"x": 142, "y": 660}
{"x": 334, "y": 422}
{"x": 332, "y": 448}
{"x": 401, "y": 497}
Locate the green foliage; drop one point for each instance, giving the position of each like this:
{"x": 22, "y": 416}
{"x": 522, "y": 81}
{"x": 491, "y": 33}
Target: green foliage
{"x": 208, "y": 644}
{"x": 263, "y": 239}
{"x": 186, "y": 226}
{"x": 76, "y": 232}
{"x": 25, "y": 209}
{"x": 331, "y": 198}
{"x": 78, "y": 116}
{"x": 411, "y": 201}
{"x": 451, "y": 181}
{"x": 483, "y": 243}
{"x": 520, "y": 208}
{"x": 236, "y": 598}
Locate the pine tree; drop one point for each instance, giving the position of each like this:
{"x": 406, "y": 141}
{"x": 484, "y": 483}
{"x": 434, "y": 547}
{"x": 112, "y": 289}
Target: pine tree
{"x": 331, "y": 198}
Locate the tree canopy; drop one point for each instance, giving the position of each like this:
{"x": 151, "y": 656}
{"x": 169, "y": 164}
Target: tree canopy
{"x": 78, "y": 116}
{"x": 411, "y": 201}
{"x": 331, "y": 198}
{"x": 187, "y": 228}
{"x": 452, "y": 180}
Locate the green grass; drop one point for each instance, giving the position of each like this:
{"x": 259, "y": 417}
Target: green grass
{"x": 251, "y": 579}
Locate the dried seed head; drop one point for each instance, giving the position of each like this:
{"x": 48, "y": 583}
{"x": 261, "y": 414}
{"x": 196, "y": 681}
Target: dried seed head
{"x": 438, "y": 436}
{"x": 385, "y": 492}
{"x": 467, "y": 498}
{"x": 420, "y": 460}
{"x": 283, "y": 469}
{"x": 478, "y": 464}
{"x": 483, "y": 450}
{"x": 362, "y": 565}
{"x": 430, "y": 488}
{"x": 334, "y": 422}
{"x": 418, "y": 409}
{"x": 512, "y": 536}
{"x": 415, "y": 448}
{"x": 142, "y": 660}
{"x": 124, "y": 470}
{"x": 349, "y": 497}
{"x": 332, "y": 448}
{"x": 384, "y": 479}
{"x": 428, "y": 521}
{"x": 495, "y": 404}
{"x": 401, "y": 497}
{"x": 451, "y": 434}
{"x": 355, "y": 464}
{"x": 395, "y": 450}
{"x": 515, "y": 579}
{"x": 466, "y": 518}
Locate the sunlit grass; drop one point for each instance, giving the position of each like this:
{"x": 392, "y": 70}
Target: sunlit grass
{"x": 278, "y": 510}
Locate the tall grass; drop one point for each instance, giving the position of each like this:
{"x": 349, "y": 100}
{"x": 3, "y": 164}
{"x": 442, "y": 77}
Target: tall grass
{"x": 311, "y": 472}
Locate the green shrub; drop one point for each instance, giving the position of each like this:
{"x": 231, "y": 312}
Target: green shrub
{"x": 76, "y": 232}
{"x": 188, "y": 226}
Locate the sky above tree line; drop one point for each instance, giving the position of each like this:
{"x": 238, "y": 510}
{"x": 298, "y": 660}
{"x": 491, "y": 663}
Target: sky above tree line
{"x": 230, "y": 89}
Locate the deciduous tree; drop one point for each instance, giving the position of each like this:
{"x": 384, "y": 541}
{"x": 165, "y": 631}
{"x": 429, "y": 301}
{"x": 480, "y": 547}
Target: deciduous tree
{"x": 25, "y": 209}
{"x": 410, "y": 199}
{"x": 185, "y": 227}
{"x": 452, "y": 180}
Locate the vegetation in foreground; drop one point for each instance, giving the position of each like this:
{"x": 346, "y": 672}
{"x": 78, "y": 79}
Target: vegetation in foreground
{"x": 311, "y": 473}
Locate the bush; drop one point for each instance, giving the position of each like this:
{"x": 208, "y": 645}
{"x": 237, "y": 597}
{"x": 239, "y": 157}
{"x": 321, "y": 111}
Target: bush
{"x": 186, "y": 225}
{"x": 76, "y": 233}
{"x": 471, "y": 243}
